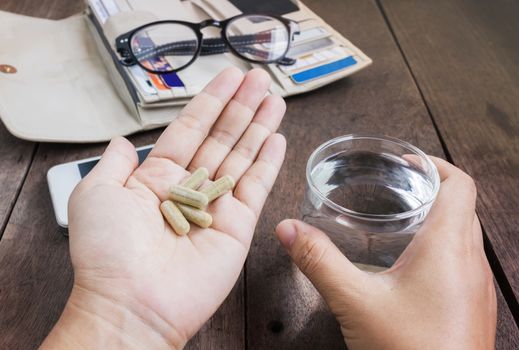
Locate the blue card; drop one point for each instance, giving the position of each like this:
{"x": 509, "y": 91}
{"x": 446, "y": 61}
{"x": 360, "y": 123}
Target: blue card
{"x": 325, "y": 69}
{"x": 172, "y": 80}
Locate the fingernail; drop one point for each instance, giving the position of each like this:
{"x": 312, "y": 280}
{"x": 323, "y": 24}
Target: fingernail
{"x": 287, "y": 234}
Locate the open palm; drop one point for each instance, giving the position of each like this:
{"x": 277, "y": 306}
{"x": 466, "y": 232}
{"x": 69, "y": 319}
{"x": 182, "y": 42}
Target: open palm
{"x": 121, "y": 247}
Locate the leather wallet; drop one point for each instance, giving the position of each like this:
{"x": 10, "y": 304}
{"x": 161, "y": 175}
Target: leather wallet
{"x": 68, "y": 84}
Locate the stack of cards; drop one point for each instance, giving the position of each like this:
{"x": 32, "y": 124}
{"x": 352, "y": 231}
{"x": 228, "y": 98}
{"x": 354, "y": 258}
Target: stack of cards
{"x": 322, "y": 54}
{"x": 151, "y": 87}
{"x": 317, "y": 58}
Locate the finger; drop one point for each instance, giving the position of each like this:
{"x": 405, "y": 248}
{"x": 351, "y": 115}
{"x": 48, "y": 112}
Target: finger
{"x": 446, "y": 169}
{"x": 334, "y": 276}
{"x": 234, "y": 120}
{"x": 452, "y": 214}
{"x": 117, "y": 163}
{"x": 255, "y": 185}
{"x": 181, "y": 139}
{"x": 265, "y": 123}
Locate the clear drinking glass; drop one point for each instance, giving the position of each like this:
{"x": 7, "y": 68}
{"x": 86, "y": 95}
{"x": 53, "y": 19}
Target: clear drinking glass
{"x": 370, "y": 194}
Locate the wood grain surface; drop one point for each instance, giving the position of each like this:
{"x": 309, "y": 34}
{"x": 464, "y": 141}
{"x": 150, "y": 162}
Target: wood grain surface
{"x": 15, "y": 159}
{"x": 465, "y": 57}
{"x": 274, "y": 306}
{"x": 283, "y": 309}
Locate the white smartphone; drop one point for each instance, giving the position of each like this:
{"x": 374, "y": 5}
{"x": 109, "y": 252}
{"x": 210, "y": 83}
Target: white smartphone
{"x": 63, "y": 178}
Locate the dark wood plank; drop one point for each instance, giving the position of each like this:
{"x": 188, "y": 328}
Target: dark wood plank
{"x": 36, "y": 274}
{"x": 465, "y": 57}
{"x": 15, "y": 157}
{"x": 507, "y": 334}
{"x": 283, "y": 309}
{"x": 53, "y": 9}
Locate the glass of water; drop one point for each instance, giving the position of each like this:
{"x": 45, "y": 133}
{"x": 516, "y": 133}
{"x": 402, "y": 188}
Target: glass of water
{"x": 370, "y": 194}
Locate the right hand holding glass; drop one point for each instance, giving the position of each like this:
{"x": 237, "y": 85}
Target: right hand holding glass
{"x": 438, "y": 295}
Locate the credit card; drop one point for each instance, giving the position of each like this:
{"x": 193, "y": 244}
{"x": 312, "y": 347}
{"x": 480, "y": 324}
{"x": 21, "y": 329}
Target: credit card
{"x": 309, "y": 34}
{"x": 309, "y": 47}
{"x": 142, "y": 79}
{"x": 320, "y": 71}
{"x": 155, "y": 79}
{"x": 316, "y": 58}
{"x": 172, "y": 80}
{"x": 305, "y": 36}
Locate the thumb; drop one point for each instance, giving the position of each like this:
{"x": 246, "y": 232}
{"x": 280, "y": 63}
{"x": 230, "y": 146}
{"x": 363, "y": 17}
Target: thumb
{"x": 334, "y": 276}
{"x": 117, "y": 163}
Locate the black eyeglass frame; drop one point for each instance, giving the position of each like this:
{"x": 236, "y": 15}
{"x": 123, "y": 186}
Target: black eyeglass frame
{"x": 128, "y": 58}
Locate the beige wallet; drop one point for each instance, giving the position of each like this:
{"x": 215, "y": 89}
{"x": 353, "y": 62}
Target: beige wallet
{"x": 67, "y": 84}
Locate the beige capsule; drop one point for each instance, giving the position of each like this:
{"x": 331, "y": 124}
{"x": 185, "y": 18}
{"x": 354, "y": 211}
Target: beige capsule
{"x": 219, "y": 187}
{"x": 196, "y": 216}
{"x": 174, "y": 217}
{"x": 188, "y": 196}
{"x": 196, "y": 179}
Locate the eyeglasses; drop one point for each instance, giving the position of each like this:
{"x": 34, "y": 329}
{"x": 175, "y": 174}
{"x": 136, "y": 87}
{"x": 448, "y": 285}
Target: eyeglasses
{"x": 169, "y": 46}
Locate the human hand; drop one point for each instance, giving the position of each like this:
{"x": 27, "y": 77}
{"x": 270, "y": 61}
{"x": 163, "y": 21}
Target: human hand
{"x": 134, "y": 278}
{"x": 438, "y": 295}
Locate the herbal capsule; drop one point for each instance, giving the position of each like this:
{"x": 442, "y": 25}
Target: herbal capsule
{"x": 219, "y": 187}
{"x": 196, "y": 179}
{"x": 188, "y": 196}
{"x": 174, "y": 217}
{"x": 196, "y": 216}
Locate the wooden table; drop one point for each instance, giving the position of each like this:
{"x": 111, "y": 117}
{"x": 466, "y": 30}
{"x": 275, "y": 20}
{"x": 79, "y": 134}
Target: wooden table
{"x": 445, "y": 78}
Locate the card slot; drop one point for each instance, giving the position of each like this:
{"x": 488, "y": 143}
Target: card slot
{"x": 311, "y": 47}
{"x": 323, "y": 70}
{"x": 170, "y": 103}
{"x": 179, "y": 92}
{"x": 282, "y": 78}
{"x": 309, "y": 34}
{"x": 165, "y": 95}
{"x": 315, "y": 59}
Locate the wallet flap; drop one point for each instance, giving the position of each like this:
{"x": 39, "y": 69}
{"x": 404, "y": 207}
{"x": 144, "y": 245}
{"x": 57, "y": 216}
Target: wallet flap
{"x": 61, "y": 91}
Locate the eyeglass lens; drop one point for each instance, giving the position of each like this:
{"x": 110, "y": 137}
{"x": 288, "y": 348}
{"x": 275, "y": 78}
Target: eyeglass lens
{"x": 171, "y": 46}
{"x": 164, "y": 47}
{"x": 258, "y": 38}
